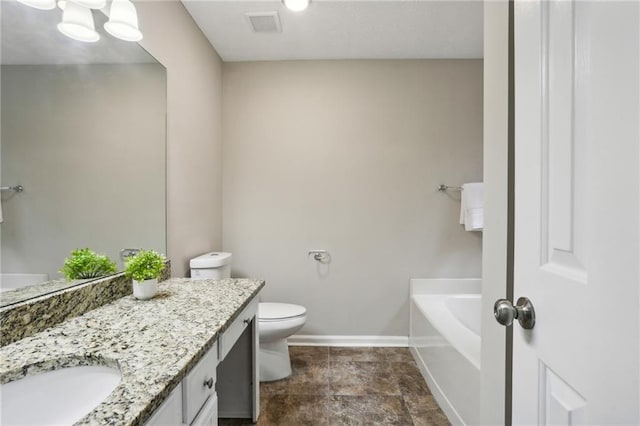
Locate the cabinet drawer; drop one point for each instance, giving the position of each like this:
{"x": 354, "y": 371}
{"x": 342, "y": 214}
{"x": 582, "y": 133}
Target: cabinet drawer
{"x": 208, "y": 416}
{"x": 231, "y": 334}
{"x": 199, "y": 385}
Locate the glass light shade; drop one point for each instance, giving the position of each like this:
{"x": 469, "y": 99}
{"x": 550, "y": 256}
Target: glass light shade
{"x": 123, "y": 21}
{"x": 91, "y": 4}
{"x": 77, "y": 23}
{"x": 296, "y": 5}
{"x": 40, "y": 4}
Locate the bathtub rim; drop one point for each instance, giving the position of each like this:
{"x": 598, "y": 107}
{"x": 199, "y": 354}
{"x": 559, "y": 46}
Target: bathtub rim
{"x": 463, "y": 340}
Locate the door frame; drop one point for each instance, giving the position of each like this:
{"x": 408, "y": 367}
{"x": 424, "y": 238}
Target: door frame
{"x": 495, "y": 398}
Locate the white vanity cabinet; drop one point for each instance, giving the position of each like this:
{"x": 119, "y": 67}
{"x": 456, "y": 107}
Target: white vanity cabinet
{"x": 170, "y": 412}
{"x": 223, "y": 383}
{"x": 194, "y": 401}
{"x": 199, "y": 385}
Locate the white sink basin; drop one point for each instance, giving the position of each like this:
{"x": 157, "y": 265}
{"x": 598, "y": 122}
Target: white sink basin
{"x": 59, "y": 397}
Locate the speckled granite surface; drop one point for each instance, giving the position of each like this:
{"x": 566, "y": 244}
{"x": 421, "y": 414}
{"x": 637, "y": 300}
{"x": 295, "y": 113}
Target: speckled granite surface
{"x": 32, "y": 315}
{"x": 23, "y": 294}
{"x": 19, "y": 295}
{"x": 154, "y": 343}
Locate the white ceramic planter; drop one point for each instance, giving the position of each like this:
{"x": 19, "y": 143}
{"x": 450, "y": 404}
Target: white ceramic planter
{"x": 146, "y": 289}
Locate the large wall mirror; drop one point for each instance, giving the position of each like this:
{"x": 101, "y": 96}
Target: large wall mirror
{"x": 83, "y": 131}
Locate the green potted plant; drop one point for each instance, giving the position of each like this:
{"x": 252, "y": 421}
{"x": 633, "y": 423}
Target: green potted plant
{"x": 144, "y": 270}
{"x": 85, "y": 263}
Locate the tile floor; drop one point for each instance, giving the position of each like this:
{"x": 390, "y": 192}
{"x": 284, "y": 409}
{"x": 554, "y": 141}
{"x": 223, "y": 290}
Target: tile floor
{"x": 348, "y": 386}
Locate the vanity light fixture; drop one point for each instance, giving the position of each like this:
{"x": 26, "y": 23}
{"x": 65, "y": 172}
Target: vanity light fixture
{"x": 40, "y": 4}
{"x": 77, "y": 23}
{"x": 296, "y": 5}
{"x": 77, "y": 18}
{"x": 91, "y": 4}
{"x": 123, "y": 21}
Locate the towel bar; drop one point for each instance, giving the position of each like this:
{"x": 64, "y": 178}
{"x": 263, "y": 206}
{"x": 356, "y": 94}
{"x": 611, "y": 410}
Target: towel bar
{"x": 443, "y": 188}
{"x": 17, "y": 188}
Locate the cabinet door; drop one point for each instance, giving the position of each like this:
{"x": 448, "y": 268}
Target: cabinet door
{"x": 208, "y": 416}
{"x": 170, "y": 412}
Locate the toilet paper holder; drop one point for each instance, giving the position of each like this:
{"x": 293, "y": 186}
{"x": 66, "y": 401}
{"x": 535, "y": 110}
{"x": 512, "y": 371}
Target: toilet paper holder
{"x": 321, "y": 256}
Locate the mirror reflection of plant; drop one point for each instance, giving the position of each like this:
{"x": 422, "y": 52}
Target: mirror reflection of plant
{"x": 146, "y": 265}
{"x": 85, "y": 263}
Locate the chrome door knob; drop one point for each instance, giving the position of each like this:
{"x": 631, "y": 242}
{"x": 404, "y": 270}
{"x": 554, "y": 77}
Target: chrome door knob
{"x": 505, "y": 312}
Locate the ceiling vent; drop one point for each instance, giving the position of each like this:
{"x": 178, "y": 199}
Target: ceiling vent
{"x": 264, "y": 22}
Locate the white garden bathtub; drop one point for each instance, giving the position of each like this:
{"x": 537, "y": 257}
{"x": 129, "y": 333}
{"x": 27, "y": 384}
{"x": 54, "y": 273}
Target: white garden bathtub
{"x": 445, "y": 340}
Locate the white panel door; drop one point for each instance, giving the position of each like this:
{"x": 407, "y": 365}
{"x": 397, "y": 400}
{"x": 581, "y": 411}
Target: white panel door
{"x": 577, "y": 218}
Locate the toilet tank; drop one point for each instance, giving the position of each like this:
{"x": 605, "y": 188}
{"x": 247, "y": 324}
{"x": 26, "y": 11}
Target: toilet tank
{"x": 211, "y": 266}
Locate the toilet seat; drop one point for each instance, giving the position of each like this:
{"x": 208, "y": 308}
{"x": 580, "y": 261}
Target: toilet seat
{"x": 269, "y": 312}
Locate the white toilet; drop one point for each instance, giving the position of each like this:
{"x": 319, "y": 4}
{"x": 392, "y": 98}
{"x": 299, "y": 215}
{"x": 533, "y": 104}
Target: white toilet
{"x": 211, "y": 266}
{"x": 276, "y": 321}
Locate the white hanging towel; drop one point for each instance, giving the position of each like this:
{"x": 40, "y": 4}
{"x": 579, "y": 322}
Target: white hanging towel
{"x": 472, "y": 206}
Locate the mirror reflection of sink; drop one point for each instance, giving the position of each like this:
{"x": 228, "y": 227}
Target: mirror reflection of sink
{"x": 58, "y": 397}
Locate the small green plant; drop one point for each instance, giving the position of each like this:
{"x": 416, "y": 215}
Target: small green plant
{"x": 146, "y": 265}
{"x": 85, "y": 263}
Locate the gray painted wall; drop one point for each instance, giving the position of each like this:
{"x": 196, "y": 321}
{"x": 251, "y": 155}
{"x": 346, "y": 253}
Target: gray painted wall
{"x": 88, "y": 144}
{"x": 194, "y": 130}
{"x": 346, "y": 156}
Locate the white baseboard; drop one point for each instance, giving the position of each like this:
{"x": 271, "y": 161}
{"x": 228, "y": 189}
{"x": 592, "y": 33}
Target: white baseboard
{"x": 380, "y": 341}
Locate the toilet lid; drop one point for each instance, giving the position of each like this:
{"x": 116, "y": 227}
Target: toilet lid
{"x": 276, "y": 311}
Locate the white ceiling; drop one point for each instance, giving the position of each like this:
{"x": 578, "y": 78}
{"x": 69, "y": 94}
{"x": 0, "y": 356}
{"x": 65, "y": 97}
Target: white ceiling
{"x": 344, "y": 29}
{"x": 30, "y": 37}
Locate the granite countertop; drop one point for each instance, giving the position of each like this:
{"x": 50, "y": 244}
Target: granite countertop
{"x": 18, "y": 295}
{"x": 154, "y": 343}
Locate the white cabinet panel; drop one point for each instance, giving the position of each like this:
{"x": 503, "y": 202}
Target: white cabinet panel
{"x": 208, "y": 416}
{"x": 231, "y": 334}
{"x": 170, "y": 412}
{"x": 199, "y": 385}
